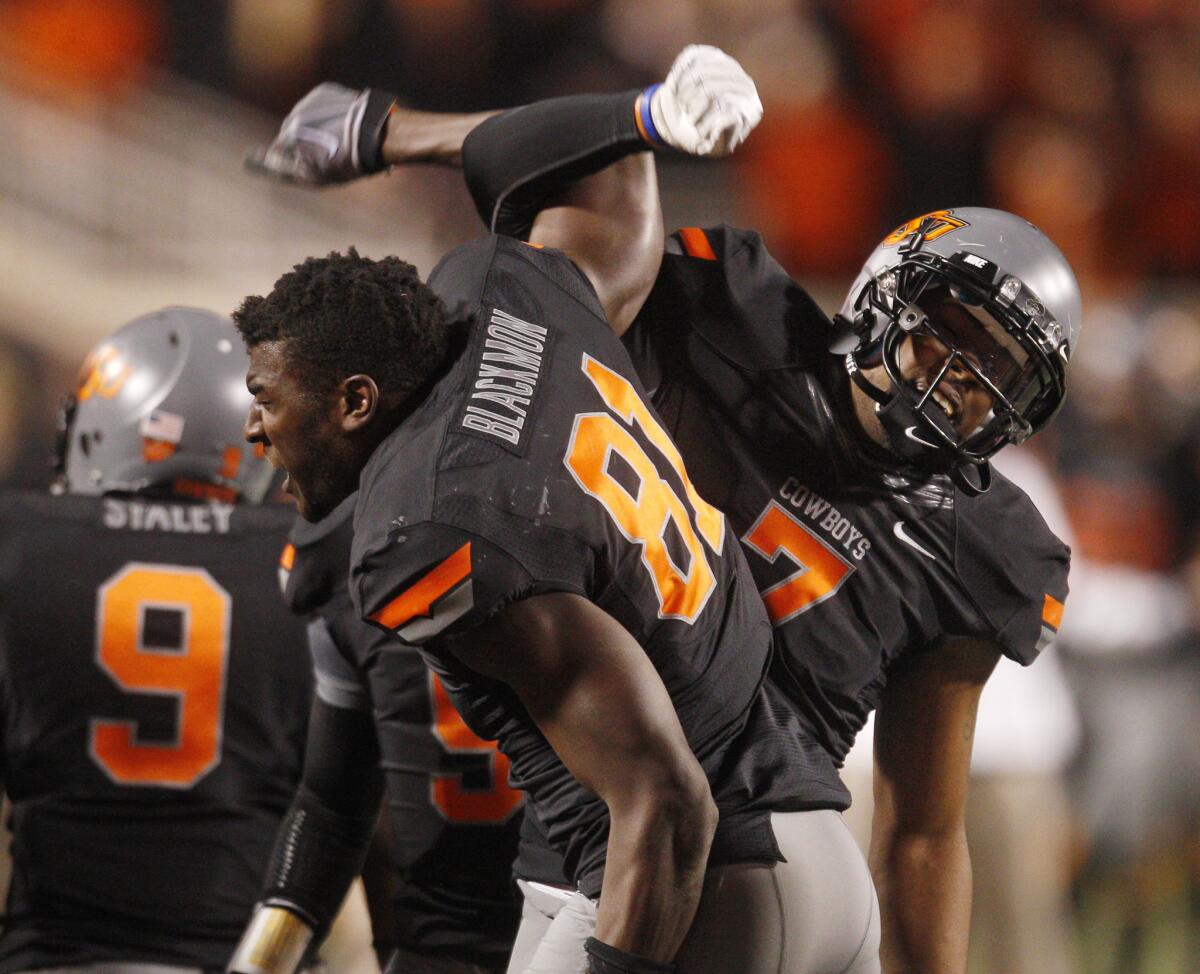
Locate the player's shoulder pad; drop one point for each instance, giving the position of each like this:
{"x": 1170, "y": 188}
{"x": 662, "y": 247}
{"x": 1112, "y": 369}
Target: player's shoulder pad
{"x": 18, "y": 506}
{"x": 24, "y": 515}
{"x": 741, "y": 300}
{"x": 1013, "y": 565}
{"x": 459, "y": 277}
{"x": 499, "y": 264}
{"x": 428, "y": 580}
{"x": 315, "y": 562}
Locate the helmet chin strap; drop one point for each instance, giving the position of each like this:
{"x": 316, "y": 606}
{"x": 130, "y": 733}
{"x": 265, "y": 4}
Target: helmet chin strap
{"x": 911, "y": 440}
{"x": 961, "y": 475}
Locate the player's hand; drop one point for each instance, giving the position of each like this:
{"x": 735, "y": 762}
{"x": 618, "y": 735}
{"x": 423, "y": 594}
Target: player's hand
{"x": 332, "y": 135}
{"x": 707, "y": 105}
{"x": 562, "y": 945}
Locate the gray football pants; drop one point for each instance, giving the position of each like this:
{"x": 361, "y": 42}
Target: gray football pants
{"x": 814, "y": 914}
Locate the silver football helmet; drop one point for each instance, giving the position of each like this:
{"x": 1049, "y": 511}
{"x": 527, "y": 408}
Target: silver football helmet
{"x": 1023, "y": 304}
{"x": 160, "y": 405}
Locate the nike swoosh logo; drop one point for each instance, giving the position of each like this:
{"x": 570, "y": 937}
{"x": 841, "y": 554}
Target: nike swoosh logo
{"x": 903, "y": 535}
{"x": 911, "y": 433}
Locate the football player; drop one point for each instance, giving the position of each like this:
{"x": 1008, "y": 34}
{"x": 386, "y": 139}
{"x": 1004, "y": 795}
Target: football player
{"x": 851, "y": 457}
{"x": 526, "y": 525}
{"x": 155, "y": 692}
{"x": 453, "y": 820}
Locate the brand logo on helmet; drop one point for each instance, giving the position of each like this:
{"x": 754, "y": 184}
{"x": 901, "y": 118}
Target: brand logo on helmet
{"x": 942, "y": 223}
{"x": 103, "y": 374}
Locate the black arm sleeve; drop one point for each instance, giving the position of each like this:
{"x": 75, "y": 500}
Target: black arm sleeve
{"x": 515, "y": 161}
{"x": 323, "y": 841}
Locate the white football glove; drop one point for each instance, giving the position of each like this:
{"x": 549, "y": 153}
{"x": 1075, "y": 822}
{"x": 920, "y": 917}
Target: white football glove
{"x": 332, "y": 135}
{"x": 707, "y": 105}
{"x": 561, "y": 949}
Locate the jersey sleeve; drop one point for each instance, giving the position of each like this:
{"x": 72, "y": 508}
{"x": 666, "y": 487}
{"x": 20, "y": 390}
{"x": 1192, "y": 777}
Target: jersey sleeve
{"x": 434, "y": 580}
{"x": 338, "y": 683}
{"x": 315, "y": 562}
{"x": 459, "y": 277}
{"x": 1016, "y": 569}
{"x": 723, "y": 284}
{"x": 462, "y": 276}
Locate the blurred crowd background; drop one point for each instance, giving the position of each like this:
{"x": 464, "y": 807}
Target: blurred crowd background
{"x": 123, "y": 124}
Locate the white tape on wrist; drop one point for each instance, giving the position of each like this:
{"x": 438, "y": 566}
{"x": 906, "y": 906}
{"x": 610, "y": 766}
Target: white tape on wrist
{"x": 274, "y": 943}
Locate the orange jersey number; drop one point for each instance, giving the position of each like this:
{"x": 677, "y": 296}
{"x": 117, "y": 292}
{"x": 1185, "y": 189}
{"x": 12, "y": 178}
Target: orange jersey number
{"x": 192, "y": 671}
{"x": 821, "y": 571}
{"x": 642, "y": 516}
{"x": 492, "y": 801}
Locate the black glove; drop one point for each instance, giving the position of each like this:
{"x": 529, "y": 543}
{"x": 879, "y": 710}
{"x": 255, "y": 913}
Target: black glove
{"x": 332, "y": 135}
{"x": 603, "y": 959}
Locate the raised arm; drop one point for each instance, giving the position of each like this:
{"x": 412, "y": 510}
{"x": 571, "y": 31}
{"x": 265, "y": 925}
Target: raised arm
{"x": 924, "y": 730}
{"x": 557, "y": 173}
{"x": 600, "y": 703}
{"x": 569, "y": 173}
{"x": 336, "y": 134}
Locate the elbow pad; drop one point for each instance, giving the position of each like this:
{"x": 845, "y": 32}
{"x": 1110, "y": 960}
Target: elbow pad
{"x": 517, "y": 161}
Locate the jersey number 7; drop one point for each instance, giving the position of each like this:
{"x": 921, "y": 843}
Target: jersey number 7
{"x": 643, "y": 516}
{"x": 820, "y": 570}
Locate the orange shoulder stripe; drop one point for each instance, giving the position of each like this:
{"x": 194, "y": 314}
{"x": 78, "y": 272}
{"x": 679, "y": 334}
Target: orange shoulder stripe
{"x": 287, "y": 557}
{"x": 695, "y": 242}
{"x": 417, "y": 600}
{"x": 1052, "y": 611}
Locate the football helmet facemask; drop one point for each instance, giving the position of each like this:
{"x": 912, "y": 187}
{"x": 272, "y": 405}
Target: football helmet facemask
{"x": 159, "y": 407}
{"x": 988, "y": 296}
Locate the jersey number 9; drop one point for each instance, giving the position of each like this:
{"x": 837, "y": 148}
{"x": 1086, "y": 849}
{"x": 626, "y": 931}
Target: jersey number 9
{"x": 163, "y": 630}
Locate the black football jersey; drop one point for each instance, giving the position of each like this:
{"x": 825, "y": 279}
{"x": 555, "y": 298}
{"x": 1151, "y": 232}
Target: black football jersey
{"x": 454, "y": 819}
{"x": 536, "y": 466}
{"x": 155, "y": 694}
{"x": 858, "y": 564}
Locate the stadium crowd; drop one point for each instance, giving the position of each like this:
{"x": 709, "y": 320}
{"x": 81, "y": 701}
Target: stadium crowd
{"x": 1082, "y": 117}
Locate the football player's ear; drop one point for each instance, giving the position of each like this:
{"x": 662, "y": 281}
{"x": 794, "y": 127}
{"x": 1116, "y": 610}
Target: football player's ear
{"x": 358, "y": 403}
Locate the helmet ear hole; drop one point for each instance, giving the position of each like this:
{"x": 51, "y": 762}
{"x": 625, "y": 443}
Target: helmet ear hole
{"x": 85, "y": 444}
{"x": 173, "y": 338}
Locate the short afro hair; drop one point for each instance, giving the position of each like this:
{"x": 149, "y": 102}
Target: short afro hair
{"x": 344, "y": 314}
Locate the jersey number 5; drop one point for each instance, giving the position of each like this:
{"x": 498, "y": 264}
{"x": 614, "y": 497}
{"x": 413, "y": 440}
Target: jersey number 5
{"x": 163, "y": 630}
{"x": 644, "y": 512}
{"x": 479, "y": 794}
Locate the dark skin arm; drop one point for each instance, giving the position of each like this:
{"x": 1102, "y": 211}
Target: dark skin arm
{"x": 611, "y": 225}
{"x": 412, "y": 136}
{"x": 924, "y": 729}
{"x": 593, "y": 692}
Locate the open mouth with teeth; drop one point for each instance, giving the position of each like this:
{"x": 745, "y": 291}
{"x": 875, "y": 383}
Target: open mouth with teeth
{"x": 949, "y": 405}
{"x": 947, "y": 398}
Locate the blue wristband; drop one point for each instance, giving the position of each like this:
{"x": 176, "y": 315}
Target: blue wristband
{"x": 645, "y": 117}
